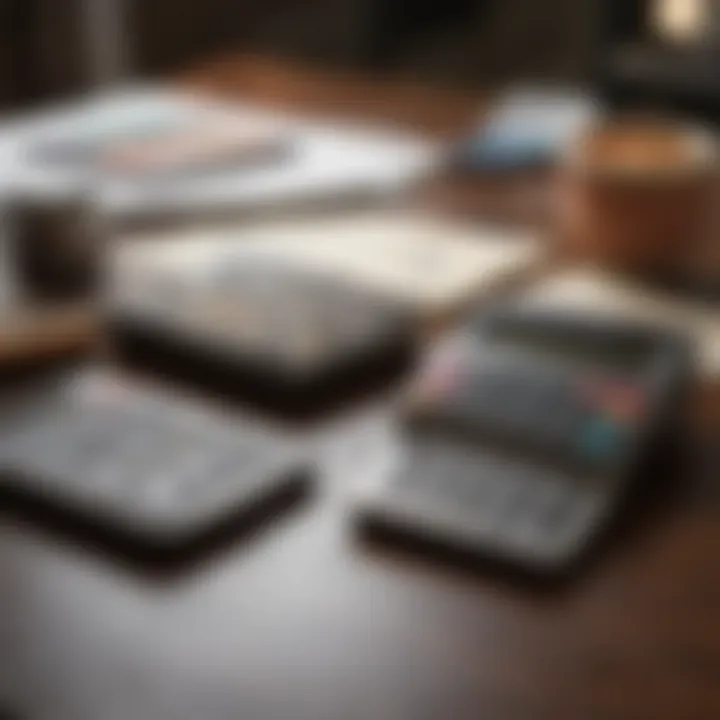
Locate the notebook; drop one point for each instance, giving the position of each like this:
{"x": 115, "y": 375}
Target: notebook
{"x": 435, "y": 264}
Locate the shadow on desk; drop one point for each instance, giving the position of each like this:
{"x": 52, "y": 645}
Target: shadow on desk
{"x": 162, "y": 564}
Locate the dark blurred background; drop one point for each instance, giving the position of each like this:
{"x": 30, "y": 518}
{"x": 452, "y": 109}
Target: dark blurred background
{"x": 458, "y": 42}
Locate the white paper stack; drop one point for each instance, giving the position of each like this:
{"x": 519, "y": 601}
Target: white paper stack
{"x": 433, "y": 263}
{"x": 328, "y": 159}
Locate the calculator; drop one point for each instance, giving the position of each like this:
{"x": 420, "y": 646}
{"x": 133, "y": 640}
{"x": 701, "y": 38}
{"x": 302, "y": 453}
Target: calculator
{"x": 523, "y": 432}
{"x": 276, "y": 335}
{"x": 145, "y": 467}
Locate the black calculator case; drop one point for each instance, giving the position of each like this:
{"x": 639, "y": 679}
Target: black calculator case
{"x": 394, "y": 513}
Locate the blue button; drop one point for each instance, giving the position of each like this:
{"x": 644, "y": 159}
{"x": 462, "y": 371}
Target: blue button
{"x": 602, "y": 439}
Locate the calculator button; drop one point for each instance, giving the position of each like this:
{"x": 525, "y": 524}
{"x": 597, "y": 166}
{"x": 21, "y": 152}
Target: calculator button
{"x": 438, "y": 382}
{"x": 472, "y": 488}
{"x": 625, "y": 406}
{"x": 518, "y": 501}
{"x": 210, "y": 489}
{"x": 602, "y": 440}
{"x": 570, "y": 524}
{"x": 556, "y": 512}
{"x": 108, "y": 477}
{"x": 195, "y": 477}
{"x": 624, "y": 401}
{"x": 502, "y": 486}
{"x": 159, "y": 495}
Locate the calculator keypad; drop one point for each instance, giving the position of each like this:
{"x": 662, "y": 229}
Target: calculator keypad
{"x": 144, "y": 458}
{"x": 494, "y": 498}
{"x": 583, "y": 421}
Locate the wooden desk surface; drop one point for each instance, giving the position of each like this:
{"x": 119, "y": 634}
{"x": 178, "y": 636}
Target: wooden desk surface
{"x": 304, "y": 623}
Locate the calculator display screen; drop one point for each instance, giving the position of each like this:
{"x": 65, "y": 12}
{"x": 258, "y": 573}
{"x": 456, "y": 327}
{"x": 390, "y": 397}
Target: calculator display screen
{"x": 610, "y": 354}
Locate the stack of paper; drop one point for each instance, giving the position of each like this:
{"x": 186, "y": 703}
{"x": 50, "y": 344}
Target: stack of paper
{"x": 435, "y": 264}
{"x": 328, "y": 158}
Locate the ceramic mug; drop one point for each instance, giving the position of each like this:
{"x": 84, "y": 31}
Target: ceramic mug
{"x": 640, "y": 195}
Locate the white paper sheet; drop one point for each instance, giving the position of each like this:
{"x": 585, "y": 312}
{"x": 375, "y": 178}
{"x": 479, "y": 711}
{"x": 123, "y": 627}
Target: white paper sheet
{"x": 329, "y": 159}
{"x": 430, "y": 262}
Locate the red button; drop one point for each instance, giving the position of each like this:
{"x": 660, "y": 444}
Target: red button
{"x": 624, "y": 402}
{"x": 438, "y": 380}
